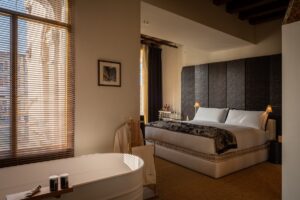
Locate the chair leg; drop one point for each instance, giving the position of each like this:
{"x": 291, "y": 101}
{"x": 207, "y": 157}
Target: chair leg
{"x": 153, "y": 188}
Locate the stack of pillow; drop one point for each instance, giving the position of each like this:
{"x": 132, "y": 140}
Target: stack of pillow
{"x": 253, "y": 119}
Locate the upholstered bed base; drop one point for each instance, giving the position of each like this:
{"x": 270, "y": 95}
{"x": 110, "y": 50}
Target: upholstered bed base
{"x": 212, "y": 168}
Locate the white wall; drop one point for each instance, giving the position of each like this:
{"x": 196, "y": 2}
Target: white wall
{"x": 192, "y": 56}
{"x": 171, "y": 74}
{"x": 105, "y": 29}
{"x": 206, "y": 13}
{"x": 291, "y": 110}
{"x": 268, "y": 42}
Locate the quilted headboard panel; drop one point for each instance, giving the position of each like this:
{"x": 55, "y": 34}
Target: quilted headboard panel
{"x": 245, "y": 84}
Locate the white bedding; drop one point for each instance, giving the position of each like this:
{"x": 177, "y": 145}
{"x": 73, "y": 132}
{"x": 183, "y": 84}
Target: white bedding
{"x": 246, "y": 137}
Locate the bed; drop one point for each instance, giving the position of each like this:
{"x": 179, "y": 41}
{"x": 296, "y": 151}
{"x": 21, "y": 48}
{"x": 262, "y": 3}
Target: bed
{"x": 200, "y": 153}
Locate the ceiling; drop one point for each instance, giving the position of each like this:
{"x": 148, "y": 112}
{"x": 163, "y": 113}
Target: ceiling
{"x": 166, "y": 25}
{"x": 255, "y": 11}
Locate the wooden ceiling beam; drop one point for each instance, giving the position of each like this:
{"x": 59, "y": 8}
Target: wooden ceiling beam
{"x": 146, "y": 39}
{"x": 238, "y": 6}
{"x": 267, "y": 17}
{"x": 264, "y": 9}
{"x": 220, "y": 2}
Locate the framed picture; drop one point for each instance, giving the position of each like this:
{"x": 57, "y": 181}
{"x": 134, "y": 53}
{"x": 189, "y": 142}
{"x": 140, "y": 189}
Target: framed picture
{"x": 109, "y": 73}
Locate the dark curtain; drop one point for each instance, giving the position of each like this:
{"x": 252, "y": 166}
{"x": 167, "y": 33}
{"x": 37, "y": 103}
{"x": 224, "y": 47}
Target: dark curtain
{"x": 154, "y": 83}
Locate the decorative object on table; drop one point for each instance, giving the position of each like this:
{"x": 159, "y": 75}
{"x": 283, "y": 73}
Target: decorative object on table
{"x": 53, "y": 183}
{"x": 166, "y": 107}
{"x": 33, "y": 191}
{"x": 196, "y": 106}
{"x": 64, "y": 181}
{"x": 187, "y": 118}
{"x": 109, "y": 73}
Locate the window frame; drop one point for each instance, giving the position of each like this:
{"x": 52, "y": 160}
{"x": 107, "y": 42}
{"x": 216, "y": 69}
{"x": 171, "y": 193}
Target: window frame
{"x": 15, "y": 159}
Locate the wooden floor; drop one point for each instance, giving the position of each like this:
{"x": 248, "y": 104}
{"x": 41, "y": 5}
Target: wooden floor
{"x": 260, "y": 182}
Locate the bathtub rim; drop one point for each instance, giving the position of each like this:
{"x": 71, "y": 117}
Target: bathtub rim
{"x": 86, "y": 155}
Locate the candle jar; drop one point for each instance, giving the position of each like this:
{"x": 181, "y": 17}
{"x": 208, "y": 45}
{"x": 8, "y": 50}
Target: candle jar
{"x": 64, "y": 181}
{"x": 53, "y": 183}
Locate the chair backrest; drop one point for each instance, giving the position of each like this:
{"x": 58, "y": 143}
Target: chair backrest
{"x": 136, "y": 136}
{"x": 128, "y": 135}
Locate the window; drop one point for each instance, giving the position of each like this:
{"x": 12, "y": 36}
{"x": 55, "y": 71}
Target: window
{"x": 1, "y": 67}
{"x": 36, "y": 81}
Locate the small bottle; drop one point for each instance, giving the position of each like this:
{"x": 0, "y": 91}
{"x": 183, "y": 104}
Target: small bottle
{"x": 64, "y": 181}
{"x": 53, "y": 183}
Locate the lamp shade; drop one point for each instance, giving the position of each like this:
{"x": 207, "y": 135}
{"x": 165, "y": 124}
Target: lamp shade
{"x": 197, "y": 104}
{"x": 269, "y": 109}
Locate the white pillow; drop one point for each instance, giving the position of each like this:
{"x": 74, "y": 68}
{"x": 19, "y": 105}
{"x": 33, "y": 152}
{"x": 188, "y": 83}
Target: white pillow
{"x": 211, "y": 114}
{"x": 254, "y": 119}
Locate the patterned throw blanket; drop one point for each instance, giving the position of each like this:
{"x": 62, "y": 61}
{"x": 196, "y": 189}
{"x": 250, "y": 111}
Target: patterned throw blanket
{"x": 224, "y": 140}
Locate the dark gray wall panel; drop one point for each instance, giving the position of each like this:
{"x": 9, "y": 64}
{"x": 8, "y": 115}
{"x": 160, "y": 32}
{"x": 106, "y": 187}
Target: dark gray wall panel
{"x": 257, "y": 83}
{"x": 276, "y": 90}
{"x": 249, "y": 84}
{"x": 188, "y": 91}
{"x": 275, "y": 83}
{"x": 236, "y": 84}
{"x": 217, "y": 85}
{"x": 201, "y": 84}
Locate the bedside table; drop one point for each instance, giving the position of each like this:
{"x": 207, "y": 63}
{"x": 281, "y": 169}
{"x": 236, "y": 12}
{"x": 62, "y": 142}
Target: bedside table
{"x": 169, "y": 116}
{"x": 275, "y": 152}
{"x": 171, "y": 119}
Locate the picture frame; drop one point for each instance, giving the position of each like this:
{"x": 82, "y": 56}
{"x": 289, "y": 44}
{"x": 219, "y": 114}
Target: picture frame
{"x": 109, "y": 73}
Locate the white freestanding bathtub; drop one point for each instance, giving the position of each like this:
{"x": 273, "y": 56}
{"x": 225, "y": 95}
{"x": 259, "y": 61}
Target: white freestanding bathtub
{"x": 93, "y": 177}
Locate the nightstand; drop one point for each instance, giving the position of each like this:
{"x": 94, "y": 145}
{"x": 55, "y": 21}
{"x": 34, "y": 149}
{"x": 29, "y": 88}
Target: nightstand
{"x": 171, "y": 119}
{"x": 169, "y": 116}
{"x": 275, "y": 152}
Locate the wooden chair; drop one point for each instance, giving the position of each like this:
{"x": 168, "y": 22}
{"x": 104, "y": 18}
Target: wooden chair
{"x": 129, "y": 139}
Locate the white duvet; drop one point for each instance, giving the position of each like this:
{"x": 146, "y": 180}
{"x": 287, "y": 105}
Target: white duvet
{"x": 246, "y": 137}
